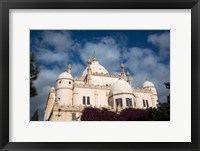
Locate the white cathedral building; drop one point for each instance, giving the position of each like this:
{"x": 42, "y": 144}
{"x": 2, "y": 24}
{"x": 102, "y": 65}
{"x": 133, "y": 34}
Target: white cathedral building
{"x": 96, "y": 88}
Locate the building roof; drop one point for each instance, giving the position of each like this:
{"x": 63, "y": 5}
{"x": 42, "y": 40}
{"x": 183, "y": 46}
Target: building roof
{"x": 95, "y": 67}
{"x": 148, "y": 84}
{"x": 121, "y": 86}
{"x": 65, "y": 75}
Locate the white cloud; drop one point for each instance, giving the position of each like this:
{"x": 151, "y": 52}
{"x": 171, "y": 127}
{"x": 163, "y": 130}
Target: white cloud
{"x": 46, "y": 79}
{"x": 47, "y": 56}
{"x": 107, "y": 53}
{"x": 162, "y": 41}
{"x": 145, "y": 65}
{"x": 77, "y": 69}
{"x": 59, "y": 41}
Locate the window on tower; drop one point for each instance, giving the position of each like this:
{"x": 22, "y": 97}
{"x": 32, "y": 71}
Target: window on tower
{"x": 88, "y": 100}
{"x": 118, "y": 102}
{"x": 144, "y": 103}
{"x": 129, "y": 102}
{"x": 84, "y": 100}
{"x": 147, "y": 103}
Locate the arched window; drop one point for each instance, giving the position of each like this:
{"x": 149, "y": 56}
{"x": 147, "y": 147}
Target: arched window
{"x": 147, "y": 103}
{"x": 88, "y": 100}
{"x": 84, "y": 100}
{"x": 144, "y": 103}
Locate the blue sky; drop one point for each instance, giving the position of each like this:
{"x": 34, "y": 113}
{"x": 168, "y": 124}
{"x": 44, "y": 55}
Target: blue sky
{"x": 145, "y": 54}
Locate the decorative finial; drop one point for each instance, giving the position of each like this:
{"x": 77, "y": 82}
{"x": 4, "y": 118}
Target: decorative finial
{"x": 123, "y": 73}
{"x": 69, "y": 67}
{"x": 94, "y": 58}
{"x": 129, "y": 78}
{"x": 88, "y": 61}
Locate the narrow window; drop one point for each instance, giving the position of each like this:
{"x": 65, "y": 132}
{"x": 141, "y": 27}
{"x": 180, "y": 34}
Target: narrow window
{"x": 147, "y": 103}
{"x": 69, "y": 82}
{"x": 129, "y": 102}
{"x": 144, "y": 103}
{"x": 88, "y": 100}
{"x": 118, "y": 102}
{"x": 83, "y": 99}
{"x": 59, "y": 81}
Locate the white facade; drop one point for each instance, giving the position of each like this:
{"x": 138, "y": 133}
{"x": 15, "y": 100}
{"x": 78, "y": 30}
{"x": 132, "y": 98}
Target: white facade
{"x": 97, "y": 88}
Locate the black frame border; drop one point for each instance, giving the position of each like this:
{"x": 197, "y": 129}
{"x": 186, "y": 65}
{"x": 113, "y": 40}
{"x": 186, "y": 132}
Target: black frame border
{"x": 5, "y": 5}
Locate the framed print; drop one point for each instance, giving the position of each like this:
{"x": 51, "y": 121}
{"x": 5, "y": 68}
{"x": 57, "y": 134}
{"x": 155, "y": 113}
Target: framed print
{"x": 91, "y": 75}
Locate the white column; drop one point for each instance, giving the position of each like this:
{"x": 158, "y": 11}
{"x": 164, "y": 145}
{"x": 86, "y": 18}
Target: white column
{"x": 96, "y": 98}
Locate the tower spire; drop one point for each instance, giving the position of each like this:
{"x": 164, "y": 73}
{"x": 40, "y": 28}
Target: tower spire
{"x": 89, "y": 72}
{"x": 123, "y": 73}
{"x": 69, "y": 67}
{"x": 94, "y": 58}
{"x": 129, "y": 78}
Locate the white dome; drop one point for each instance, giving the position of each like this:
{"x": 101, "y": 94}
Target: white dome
{"x": 95, "y": 67}
{"x": 65, "y": 75}
{"x": 148, "y": 84}
{"x": 121, "y": 86}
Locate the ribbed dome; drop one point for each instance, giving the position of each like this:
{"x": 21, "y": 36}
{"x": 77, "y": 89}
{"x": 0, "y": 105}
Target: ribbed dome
{"x": 65, "y": 75}
{"x": 148, "y": 84}
{"x": 121, "y": 86}
{"x": 95, "y": 67}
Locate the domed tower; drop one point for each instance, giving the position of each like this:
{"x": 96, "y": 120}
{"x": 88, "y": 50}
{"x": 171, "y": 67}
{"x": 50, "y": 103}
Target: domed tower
{"x": 121, "y": 95}
{"x": 149, "y": 85}
{"x": 64, "y": 87}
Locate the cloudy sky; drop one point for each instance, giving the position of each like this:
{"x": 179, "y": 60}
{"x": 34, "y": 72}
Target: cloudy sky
{"x": 145, "y": 54}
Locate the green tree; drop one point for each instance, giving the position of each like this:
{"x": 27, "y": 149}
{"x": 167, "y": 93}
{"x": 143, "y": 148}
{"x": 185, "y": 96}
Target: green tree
{"x": 161, "y": 113}
{"x": 167, "y": 85}
{"x": 34, "y": 71}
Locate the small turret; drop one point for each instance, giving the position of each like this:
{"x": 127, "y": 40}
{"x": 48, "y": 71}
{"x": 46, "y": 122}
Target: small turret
{"x": 129, "y": 78}
{"x": 89, "y": 72}
{"x": 69, "y": 68}
{"x": 123, "y": 73}
{"x": 64, "y": 87}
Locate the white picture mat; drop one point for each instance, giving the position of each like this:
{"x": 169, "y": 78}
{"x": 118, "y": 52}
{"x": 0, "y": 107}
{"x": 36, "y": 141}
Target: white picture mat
{"x": 178, "y": 129}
